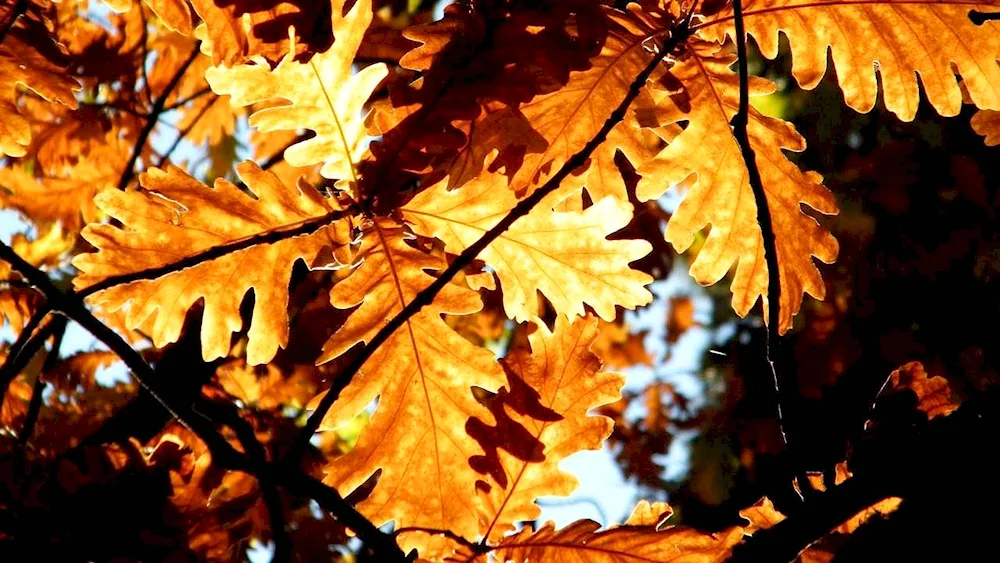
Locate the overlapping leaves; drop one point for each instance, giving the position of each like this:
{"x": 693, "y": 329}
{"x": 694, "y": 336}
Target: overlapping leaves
{"x": 487, "y": 106}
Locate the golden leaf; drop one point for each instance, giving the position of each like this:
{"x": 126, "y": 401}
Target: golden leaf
{"x": 987, "y": 123}
{"x": 721, "y": 195}
{"x": 564, "y": 255}
{"x": 422, "y": 376}
{"x": 175, "y": 218}
{"x": 68, "y": 201}
{"x": 581, "y": 542}
{"x": 322, "y": 96}
{"x": 895, "y": 39}
{"x": 22, "y": 63}
{"x": 542, "y": 418}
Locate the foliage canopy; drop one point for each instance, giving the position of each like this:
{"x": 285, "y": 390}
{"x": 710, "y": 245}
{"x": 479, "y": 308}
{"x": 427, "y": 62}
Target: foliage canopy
{"x": 417, "y": 238}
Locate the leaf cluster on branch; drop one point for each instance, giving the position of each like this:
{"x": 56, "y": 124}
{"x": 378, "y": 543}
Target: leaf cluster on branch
{"x": 354, "y": 255}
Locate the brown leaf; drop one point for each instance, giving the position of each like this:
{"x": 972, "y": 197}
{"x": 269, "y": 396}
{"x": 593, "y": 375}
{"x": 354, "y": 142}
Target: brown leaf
{"x": 933, "y": 393}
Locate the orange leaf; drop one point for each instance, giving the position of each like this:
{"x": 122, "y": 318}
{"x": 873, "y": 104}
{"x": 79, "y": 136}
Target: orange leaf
{"x": 896, "y": 39}
{"x": 721, "y": 196}
{"x": 422, "y": 377}
{"x": 563, "y": 255}
{"x": 582, "y": 542}
{"x": 176, "y": 217}
{"x": 933, "y": 393}
{"x": 322, "y": 96}
{"x": 542, "y": 418}
{"x": 987, "y": 123}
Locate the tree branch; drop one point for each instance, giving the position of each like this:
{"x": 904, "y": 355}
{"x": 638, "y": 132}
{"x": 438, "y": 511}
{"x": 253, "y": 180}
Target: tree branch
{"x": 262, "y": 470}
{"x": 785, "y": 389}
{"x": 35, "y": 406}
{"x": 23, "y": 349}
{"x": 222, "y": 452}
{"x": 331, "y": 501}
{"x": 154, "y": 117}
{"x": 427, "y": 295}
{"x": 191, "y": 98}
{"x": 267, "y": 237}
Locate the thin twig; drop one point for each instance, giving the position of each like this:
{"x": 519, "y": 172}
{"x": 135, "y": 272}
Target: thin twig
{"x": 267, "y": 237}
{"x": 154, "y": 118}
{"x": 262, "y": 470}
{"x": 202, "y": 92}
{"x": 427, "y": 295}
{"x": 35, "y": 406}
{"x": 473, "y": 546}
{"x": 23, "y": 347}
{"x": 739, "y": 124}
{"x": 184, "y": 133}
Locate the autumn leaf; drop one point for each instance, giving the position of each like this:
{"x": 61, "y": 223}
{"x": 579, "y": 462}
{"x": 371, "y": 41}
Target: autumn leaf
{"x": 169, "y": 224}
{"x": 933, "y": 393}
{"x": 883, "y": 507}
{"x": 987, "y": 123}
{"x": 29, "y": 58}
{"x": 322, "y": 95}
{"x": 897, "y": 40}
{"x": 542, "y": 418}
{"x": 250, "y": 28}
{"x": 584, "y": 542}
{"x": 564, "y": 255}
{"x": 566, "y": 118}
{"x": 422, "y": 377}
{"x": 18, "y": 300}
{"x": 720, "y": 194}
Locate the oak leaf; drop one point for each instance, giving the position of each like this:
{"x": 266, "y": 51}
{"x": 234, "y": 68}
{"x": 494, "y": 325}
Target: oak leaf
{"x": 883, "y": 507}
{"x": 569, "y": 116}
{"x": 175, "y": 218}
{"x": 720, "y": 194}
{"x": 28, "y": 58}
{"x": 422, "y": 376}
{"x": 563, "y": 255}
{"x": 933, "y": 393}
{"x": 542, "y": 418}
{"x": 987, "y": 123}
{"x": 582, "y": 542}
{"x": 898, "y": 40}
{"x": 241, "y": 29}
{"x": 322, "y": 95}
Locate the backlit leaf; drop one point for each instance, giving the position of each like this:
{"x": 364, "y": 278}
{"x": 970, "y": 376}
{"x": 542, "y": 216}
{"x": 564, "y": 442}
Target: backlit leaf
{"x": 720, "y": 194}
{"x": 176, "y": 217}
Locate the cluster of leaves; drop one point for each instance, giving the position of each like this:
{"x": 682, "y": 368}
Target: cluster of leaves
{"x": 419, "y": 195}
